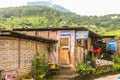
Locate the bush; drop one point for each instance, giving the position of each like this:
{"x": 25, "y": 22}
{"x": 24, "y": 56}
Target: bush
{"x": 117, "y": 60}
{"x": 93, "y": 62}
{"x": 116, "y": 67}
{"x": 84, "y": 69}
{"x": 40, "y": 66}
{"x": 88, "y": 56}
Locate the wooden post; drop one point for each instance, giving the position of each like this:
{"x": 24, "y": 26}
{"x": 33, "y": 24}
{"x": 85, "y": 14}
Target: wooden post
{"x": 36, "y": 34}
{"x": 19, "y": 53}
{"x": 36, "y": 47}
{"x": 75, "y": 52}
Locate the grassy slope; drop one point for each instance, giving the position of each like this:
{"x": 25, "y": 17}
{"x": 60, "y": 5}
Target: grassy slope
{"x": 114, "y": 32}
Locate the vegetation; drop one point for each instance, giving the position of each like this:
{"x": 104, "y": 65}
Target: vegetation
{"x": 93, "y": 62}
{"x": 116, "y": 66}
{"x": 89, "y": 56}
{"x": 43, "y": 17}
{"x": 84, "y": 69}
{"x": 40, "y": 66}
{"x": 117, "y": 60}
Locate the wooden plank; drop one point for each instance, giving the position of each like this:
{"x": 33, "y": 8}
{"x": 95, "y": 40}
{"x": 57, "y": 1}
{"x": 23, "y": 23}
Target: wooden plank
{"x": 63, "y": 56}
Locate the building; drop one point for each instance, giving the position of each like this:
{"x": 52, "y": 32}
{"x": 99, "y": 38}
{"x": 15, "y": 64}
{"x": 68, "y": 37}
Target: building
{"x": 73, "y": 43}
{"x": 106, "y": 39}
{"x": 17, "y": 51}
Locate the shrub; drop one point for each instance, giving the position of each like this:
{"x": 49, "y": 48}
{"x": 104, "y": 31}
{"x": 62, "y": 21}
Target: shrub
{"x": 117, "y": 60}
{"x": 93, "y": 62}
{"x": 40, "y": 66}
{"x": 116, "y": 67}
{"x": 103, "y": 70}
{"x": 84, "y": 69}
{"x": 88, "y": 56}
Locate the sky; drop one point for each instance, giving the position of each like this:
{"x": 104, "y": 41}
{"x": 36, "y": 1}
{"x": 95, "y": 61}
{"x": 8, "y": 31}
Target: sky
{"x": 81, "y": 7}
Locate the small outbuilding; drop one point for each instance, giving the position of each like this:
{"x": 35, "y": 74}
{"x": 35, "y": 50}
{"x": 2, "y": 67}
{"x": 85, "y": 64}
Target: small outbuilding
{"x": 110, "y": 44}
{"x": 73, "y": 43}
{"x": 17, "y": 51}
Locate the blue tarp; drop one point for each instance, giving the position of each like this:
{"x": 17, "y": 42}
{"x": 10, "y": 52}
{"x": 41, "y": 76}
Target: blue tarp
{"x": 112, "y": 45}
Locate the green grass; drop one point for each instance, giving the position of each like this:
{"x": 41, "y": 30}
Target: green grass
{"x": 112, "y": 33}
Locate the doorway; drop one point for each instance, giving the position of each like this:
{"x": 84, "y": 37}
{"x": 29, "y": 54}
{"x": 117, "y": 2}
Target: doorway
{"x": 64, "y": 50}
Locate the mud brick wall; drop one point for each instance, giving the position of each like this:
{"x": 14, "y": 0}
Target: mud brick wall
{"x": 8, "y": 53}
{"x": 18, "y": 73}
{"x": 16, "y": 54}
{"x": 31, "y": 33}
{"x": 43, "y": 48}
{"x": 27, "y": 52}
{"x": 43, "y": 34}
{"x": 52, "y": 35}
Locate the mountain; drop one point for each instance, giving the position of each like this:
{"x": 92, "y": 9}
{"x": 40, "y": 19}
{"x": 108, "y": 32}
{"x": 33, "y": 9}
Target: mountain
{"x": 43, "y": 17}
{"x": 48, "y": 4}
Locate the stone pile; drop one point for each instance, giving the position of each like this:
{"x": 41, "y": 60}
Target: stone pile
{"x": 102, "y": 62}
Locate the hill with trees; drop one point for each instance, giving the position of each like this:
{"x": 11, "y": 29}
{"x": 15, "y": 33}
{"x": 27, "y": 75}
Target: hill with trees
{"x": 43, "y": 17}
{"x": 48, "y": 4}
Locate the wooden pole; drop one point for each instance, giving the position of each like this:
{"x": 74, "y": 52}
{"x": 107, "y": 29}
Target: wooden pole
{"x": 19, "y": 53}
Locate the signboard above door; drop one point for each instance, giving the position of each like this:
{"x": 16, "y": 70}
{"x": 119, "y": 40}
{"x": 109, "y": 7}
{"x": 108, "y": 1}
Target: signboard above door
{"x": 82, "y": 34}
{"x": 64, "y": 33}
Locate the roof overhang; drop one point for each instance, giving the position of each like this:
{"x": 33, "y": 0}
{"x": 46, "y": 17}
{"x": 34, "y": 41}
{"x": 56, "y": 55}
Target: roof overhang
{"x": 91, "y": 34}
{"x": 24, "y": 36}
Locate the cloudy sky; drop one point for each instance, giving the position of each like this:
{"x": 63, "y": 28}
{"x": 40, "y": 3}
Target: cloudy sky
{"x": 82, "y": 7}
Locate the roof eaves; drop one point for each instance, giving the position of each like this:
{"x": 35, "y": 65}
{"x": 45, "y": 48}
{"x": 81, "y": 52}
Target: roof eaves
{"x": 92, "y": 34}
{"x": 19, "y": 35}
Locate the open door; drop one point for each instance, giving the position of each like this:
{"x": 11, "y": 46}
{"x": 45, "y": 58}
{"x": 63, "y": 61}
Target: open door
{"x": 64, "y": 47}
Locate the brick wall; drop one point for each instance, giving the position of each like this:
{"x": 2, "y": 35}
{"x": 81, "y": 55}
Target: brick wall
{"x": 17, "y": 54}
{"x": 43, "y": 48}
{"x": 53, "y": 35}
{"x": 27, "y": 52}
{"x": 8, "y": 53}
{"x": 42, "y": 34}
{"x": 31, "y": 33}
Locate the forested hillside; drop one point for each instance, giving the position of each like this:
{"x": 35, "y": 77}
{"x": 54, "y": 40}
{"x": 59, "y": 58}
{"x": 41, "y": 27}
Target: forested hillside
{"x": 38, "y": 16}
{"x": 48, "y": 4}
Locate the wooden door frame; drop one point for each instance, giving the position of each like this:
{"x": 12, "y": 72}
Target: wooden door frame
{"x": 64, "y": 37}
{"x": 69, "y": 45}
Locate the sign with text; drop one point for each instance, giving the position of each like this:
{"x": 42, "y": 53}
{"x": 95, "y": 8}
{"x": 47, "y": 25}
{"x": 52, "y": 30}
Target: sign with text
{"x": 82, "y": 34}
{"x": 65, "y": 33}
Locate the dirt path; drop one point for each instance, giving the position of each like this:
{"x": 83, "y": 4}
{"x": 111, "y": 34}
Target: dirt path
{"x": 110, "y": 77}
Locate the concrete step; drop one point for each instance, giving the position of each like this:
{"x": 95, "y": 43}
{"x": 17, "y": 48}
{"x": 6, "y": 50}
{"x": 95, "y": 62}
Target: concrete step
{"x": 64, "y": 77}
{"x": 66, "y": 69}
{"x": 65, "y": 72}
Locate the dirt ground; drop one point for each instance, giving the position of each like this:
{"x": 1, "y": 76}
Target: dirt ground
{"x": 109, "y": 77}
